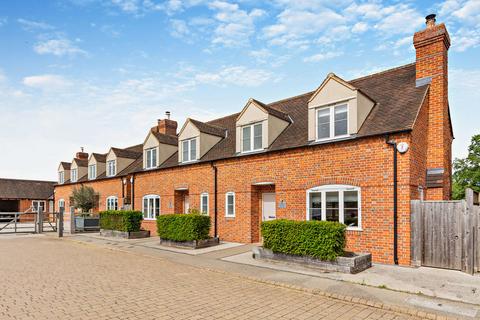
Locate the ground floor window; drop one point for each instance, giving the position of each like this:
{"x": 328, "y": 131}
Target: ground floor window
{"x": 38, "y": 204}
{"x": 151, "y": 207}
{"x": 339, "y": 203}
{"x": 112, "y": 203}
{"x": 230, "y": 204}
{"x": 61, "y": 204}
{"x": 204, "y": 203}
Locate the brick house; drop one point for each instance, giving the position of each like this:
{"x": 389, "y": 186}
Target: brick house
{"x": 328, "y": 154}
{"x": 26, "y": 195}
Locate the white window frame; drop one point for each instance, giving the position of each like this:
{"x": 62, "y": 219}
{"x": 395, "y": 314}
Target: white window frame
{"x": 149, "y": 153}
{"x": 109, "y": 174}
{"x": 108, "y": 203}
{"x": 150, "y": 214}
{"x": 226, "y": 205}
{"x": 204, "y": 196}
{"x": 340, "y": 189}
{"x": 332, "y": 121}
{"x": 92, "y": 175}
{"x": 61, "y": 204}
{"x": 252, "y": 137}
{"x": 34, "y": 209}
{"x": 74, "y": 175}
{"x": 61, "y": 177}
{"x": 189, "y": 142}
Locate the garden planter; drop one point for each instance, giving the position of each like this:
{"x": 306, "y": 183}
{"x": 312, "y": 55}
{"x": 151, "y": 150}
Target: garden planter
{"x": 87, "y": 224}
{"x": 195, "y": 244}
{"x": 349, "y": 263}
{"x": 125, "y": 234}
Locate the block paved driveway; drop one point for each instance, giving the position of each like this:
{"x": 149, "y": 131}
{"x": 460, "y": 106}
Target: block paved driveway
{"x": 47, "y": 278}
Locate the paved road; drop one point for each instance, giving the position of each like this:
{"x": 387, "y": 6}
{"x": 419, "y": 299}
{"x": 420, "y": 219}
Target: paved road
{"x": 47, "y": 278}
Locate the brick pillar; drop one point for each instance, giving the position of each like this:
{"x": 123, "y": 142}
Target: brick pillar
{"x": 432, "y": 46}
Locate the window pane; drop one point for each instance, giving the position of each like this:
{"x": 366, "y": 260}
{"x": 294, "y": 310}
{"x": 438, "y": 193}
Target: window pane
{"x": 157, "y": 207}
{"x": 193, "y": 149}
{"x": 204, "y": 205}
{"x": 323, "y": 122}
{"x": 185, "y": 150}
{"x": 151, "y": 208}
{"x": 257, "y": 136}
{"x": 332, "y": 206}
{"x": 315, "y": 206}
{"x": 145, "y": 208}
{"x": 246, "y": 138}
{"x": 154, "y": 157}
{"x": 230, "y": 204}
{"x": 341, "y": 120}
{"x": 350, "y": 215}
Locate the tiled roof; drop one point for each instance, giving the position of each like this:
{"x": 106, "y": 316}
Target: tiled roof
{"x": 25, "y": 189}
{"x": 66, "y": 165}
{"x": 165, "y": 138}
{"x": 209, "y": 128}
{"x": 274, "y": 112}
{"x": 100, "y": 157}
{"x": 81, "y": 162}
{"x": 129, "y": 153}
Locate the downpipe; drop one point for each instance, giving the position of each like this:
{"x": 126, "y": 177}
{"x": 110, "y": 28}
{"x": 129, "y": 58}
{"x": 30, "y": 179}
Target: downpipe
{"x": 393, "y": 144}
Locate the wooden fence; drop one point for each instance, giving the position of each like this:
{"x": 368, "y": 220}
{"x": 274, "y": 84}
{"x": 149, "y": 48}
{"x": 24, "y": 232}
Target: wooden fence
{"x": 446, "y": 234}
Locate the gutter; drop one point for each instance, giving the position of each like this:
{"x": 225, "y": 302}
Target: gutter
{"x": 393, "y": 144}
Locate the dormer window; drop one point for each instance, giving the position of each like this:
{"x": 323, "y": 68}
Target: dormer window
{"x": 92, "y": 171}
{"x": 332, "y": 122}
{"x": 111, "y": 168}
{"x": 189, "y": 150}
{"x": 61, "y": 177}
{"x": 252, "y": 137}
{"x": 74, "y": 175}
{"x": 151, "y": 158}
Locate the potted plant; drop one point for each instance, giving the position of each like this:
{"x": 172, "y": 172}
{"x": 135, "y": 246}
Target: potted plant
{"x": 84, "y": 199}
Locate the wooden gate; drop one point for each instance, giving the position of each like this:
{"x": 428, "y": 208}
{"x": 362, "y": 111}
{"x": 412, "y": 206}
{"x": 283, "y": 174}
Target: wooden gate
{"x": 446, "y": 234}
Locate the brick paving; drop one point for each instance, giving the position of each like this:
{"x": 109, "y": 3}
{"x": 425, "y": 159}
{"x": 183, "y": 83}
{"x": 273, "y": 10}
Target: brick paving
{"x": 46, "y": 278}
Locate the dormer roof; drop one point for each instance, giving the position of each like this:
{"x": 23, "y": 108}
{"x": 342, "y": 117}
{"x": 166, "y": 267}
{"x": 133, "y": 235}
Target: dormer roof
{"x": 129, "y": 153}
{"x": 80, "y": 162}
{"x": 165, "y": 138}
{"x": 99, "y": 157}
{"x": 274, "y": 112}
{"x": 208, "y": 128}
{"x": 65, "y": 165}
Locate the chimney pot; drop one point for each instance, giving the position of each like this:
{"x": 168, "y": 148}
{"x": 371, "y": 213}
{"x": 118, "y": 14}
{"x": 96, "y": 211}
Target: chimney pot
{"x": 167, "y": 114}
{"x": 430, "y": 20}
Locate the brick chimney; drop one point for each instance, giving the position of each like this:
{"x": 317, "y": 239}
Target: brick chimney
{"x": 166, "y": 126}
{"x": 431, "y": 45}
{"x": 81, "y": 155}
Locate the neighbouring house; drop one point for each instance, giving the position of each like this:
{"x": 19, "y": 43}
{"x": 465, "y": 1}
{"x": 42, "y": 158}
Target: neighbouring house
{"x": 328, "y": 154}
{"x": 26, "y": 195}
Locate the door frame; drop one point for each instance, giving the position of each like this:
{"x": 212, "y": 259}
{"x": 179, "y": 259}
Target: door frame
{"x": 263, "y": 204}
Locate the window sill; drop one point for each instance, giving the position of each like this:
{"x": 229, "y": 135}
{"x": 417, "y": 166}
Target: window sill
{"x": 229, "y": 217}
{"x": 149, "y": 219}
{"x": 335, "y": 139}
{"x": 357, "y": 229}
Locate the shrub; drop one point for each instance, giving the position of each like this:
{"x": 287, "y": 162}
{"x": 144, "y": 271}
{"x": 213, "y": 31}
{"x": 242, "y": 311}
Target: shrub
{"x": 121, "y": 220}
{"x": 319, "y": 239}
{"x": 183, "y": 227}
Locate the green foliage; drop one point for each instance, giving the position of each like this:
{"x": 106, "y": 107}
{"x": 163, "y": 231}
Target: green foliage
{"x": 84, "y": 198}
{"x": 183, "y": 227}
{"x": 121, "y": 220}
{"x": 467, "y": 171}
{"x": 324, "y": 240}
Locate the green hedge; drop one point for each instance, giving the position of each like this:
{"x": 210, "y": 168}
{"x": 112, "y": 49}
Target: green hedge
{"x": 183, "y": 227}
{"x": 320, "y": 239}
{"x": 121, "y": 220}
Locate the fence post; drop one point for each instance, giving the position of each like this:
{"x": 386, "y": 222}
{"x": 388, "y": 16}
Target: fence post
{"x": 72, "y": 220}
{"x": 469, "y": 232}
{"x": 416, "y": 232}
{"x": 16, "y": 217}
{"x": 40, "y": 219}
{"x": 60, "y": 222}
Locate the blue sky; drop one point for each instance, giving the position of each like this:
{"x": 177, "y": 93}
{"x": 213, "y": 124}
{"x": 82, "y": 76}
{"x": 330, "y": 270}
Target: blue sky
{"x": 98, "y": 73}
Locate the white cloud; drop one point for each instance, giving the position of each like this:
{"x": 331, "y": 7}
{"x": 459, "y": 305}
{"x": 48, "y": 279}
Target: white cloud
{"x": 322, "y": 56}
{"x": 47, "y": 82}
{"x": 58, "y": 47}
{"x": 360, "y": 27}
{"x": 31, "y": 25}
{"x": 236, "y": 75}
{"x": 179, "y": 29}
{"x": 400, "y": 19}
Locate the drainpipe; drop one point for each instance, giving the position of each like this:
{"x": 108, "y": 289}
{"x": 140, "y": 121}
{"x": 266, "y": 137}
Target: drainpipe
{"x": 215, "y": 192}
{"x": 393, "y": 144}
{"x": 132, "y": 193}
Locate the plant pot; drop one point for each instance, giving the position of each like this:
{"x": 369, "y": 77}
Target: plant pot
{"x": 125, "y": 234}
{"x": 194, "y": 244}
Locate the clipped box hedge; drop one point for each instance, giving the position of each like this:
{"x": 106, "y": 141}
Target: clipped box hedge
{"x": 323, "y": 240}
{"x": 128, "y": 221}
{"x": 183, "y": 227}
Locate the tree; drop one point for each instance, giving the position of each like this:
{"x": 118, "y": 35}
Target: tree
{"x": 467, "y": 171}
{"x": 84, "y": 198}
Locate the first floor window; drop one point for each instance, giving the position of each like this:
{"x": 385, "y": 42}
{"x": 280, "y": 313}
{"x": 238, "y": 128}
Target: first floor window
{"x": 204, "y": 203}
{"x": 252, "y": 137}
{"x": 151, "y": 158}
{"x": 74, "y": 175}
{"x": 37, "y": 205}
{"x": 338, "y": 203}
{"x": 230, "y": 204}
{"x": 61, "y": 203}
{"x": 111, "y": 168}
{"x": 189, "y": 150}
{"x": 92, "y": 171}
{"x": 332, "y": 121}
{"x": 61, "y": 177}
{"x": 151, "y": 207}
{"x": 112, "y": 203}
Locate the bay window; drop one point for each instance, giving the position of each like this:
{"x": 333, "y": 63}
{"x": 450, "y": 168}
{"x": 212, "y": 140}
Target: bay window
{"x": 339, "y": 203}
{"x": 252, "y": 137}
{"x": 332, "y": 121}
{"x": 151, "y": 207}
